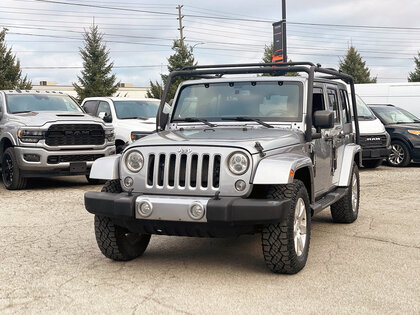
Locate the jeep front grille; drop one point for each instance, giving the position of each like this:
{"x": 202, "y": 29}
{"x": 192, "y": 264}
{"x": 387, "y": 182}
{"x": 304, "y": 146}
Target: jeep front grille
{"x": 183, "y": 171}
{"x": 75, "y": 134}
{"x": 373, "y": 141}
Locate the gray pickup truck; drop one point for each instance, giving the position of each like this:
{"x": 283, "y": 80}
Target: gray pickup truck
{"x": 48, "y": 134}
{"x": 236, "y": 155}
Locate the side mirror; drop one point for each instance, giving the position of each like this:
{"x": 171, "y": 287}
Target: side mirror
{"x": 323, "y": 119}
{"x": 105, "y": 117}
{"x": 170, "y": 102}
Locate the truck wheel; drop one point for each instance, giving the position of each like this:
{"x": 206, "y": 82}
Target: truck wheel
{"x": 400, "y": 155}
{"x": 372, "y": 163}
{"x": 116, "y": 242}
{"x": 10, "y": 171}
{"x": 346, "y": 209}
{"x": 285, "y": 245}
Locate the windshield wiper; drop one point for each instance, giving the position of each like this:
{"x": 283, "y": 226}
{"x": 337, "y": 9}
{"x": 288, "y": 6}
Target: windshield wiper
{"x": 193, "y": 119}
{"x": 249, "y": 119}
{"x": 22, "y": 112}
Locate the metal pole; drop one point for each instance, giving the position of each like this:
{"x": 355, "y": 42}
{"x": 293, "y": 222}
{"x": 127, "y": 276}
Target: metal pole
{"x": 284, "y": 31}
{"x": 181, "y": 28}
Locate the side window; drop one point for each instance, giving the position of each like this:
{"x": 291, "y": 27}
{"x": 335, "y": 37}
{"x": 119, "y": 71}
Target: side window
{"x": 104, "y": 108}
{"x": 318, "y": 102}
{"x": 90, "y": 107}
{"x": 333, "y": 104}
{"x": 345, "y": 106}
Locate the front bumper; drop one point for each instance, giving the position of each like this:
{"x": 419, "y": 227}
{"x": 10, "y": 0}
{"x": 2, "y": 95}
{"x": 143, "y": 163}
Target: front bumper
{"x": 375, "y": 153}
{"x": 227, "y": 210}
{"x": 45, "y": 166}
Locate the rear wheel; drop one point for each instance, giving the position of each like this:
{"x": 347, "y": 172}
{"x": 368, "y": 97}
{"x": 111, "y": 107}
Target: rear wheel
{"x": 285, "y": 245}
{"x": 372, "y": 163}
{"x": 12, "y": 178}
{"x": 114, "y": 241}
{"x": 346, "y": 210}
{"x": 400, "y": 154}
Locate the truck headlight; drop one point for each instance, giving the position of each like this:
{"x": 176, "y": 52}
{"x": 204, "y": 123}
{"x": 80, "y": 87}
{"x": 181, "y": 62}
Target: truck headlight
{"x": 31, "y": 136}
{"x": 238, "y": 163}
{"x": 109, "y": 135}
{"x": 134, "y": 161}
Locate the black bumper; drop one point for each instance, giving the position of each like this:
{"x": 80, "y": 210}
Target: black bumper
{"x": 375, "y": 153}
{"x": 229, "y": 210}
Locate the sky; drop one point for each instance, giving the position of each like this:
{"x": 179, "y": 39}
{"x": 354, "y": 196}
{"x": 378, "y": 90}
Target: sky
{"x": 46, "y": 34}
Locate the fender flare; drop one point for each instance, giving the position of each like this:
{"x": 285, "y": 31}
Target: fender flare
{"x": 350, "y": 152}
{"x": 9, "y": 137}
{"x": 106, "y": 168}
{"x": 275, "y": 170}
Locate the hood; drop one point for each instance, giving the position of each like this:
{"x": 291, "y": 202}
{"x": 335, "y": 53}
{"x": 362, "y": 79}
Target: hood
{"x": 137, "y": 124}
{"x": 371, "y": 126}
{"x": 39, "y": 119}
{"x": 226, "y": 137}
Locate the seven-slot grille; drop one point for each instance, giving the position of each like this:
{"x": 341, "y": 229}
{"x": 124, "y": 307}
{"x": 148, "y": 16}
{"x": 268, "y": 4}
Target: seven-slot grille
{"x": 183, "y": 171}
{"x": 373, "y": 141}
{"x": 75, "y": 134}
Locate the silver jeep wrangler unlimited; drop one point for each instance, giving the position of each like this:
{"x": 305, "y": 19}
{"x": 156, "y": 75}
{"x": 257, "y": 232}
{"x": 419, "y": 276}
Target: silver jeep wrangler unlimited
{"x": 236, "y": 155}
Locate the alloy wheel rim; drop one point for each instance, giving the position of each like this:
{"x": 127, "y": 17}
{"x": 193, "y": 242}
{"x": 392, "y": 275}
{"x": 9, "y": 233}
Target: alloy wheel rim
{"x": 354, "y": 194}
{"x": 8, "y": 170}
{"x": 300, "y": 227}
{"x": 397, "y": 154}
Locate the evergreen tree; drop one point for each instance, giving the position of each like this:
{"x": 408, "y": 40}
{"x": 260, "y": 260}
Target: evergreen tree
{"x": 10, "y": 71}
{"x": 183, "y": 57}
{"x": 356, "y": 67}
{"x": 96, "y": 78}
{"x": 415, "y": 75}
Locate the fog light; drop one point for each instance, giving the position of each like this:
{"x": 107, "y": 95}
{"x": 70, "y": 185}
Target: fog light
{"x": 144, "y": 208}
{"x": 240, "y": 185}
{"x": 128, "y": 182}
{"x": 32, "y": 157}
{"x": 196, "y": 211}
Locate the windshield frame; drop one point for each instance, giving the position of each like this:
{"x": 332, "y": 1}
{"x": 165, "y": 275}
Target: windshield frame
{"x": 72, "y": 100}
{"x": 136, "y": 101}
{"x": 225, "y": 120}
{"x": 359, "y": 100}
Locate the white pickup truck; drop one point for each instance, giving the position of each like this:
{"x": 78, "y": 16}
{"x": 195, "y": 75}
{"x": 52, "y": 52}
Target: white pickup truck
{"x": 132, "y": 118}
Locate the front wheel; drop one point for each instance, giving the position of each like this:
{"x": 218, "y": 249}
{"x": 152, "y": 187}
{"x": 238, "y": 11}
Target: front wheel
{"x": 400, "y": 154}
{"x": 12, "y": 178}
{"x": 285, "y": 245}
{"x": 346, "y": 210}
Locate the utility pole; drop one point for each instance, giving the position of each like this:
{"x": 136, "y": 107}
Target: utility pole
{"x": 283, "y": 6}
{"x": 181, "y": 28}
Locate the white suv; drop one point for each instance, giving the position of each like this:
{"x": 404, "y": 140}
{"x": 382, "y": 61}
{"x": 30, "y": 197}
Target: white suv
{"x": 132, "y": 118}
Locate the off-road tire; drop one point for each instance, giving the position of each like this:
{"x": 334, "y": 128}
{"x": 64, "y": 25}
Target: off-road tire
{"x": 342, "y": 211}
{"x": 116, "y": 242}
{"x": 278, "y": 239}
{"x": 407, "y": 157}
{"x": 9, "y": 165}
{"x": 372, "y": 163}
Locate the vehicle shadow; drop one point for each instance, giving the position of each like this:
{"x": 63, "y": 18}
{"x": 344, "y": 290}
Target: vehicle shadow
{"x": 55, "y": 182}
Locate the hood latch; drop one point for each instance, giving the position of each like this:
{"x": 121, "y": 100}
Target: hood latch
{"x": 259, "y": 148}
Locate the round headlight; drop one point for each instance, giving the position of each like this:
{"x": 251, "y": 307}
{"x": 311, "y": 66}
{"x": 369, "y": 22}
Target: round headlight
{"x": 238, "y": 163}
{"x": 134, "y": 161}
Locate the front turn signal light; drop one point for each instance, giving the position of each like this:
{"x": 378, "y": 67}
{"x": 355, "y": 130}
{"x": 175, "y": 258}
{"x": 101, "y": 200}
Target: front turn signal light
{"x": 414, "y": 132}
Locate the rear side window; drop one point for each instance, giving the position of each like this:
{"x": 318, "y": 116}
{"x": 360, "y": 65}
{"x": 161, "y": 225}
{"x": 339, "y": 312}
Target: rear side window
{"x": 345, "y": 106}
{"x": 91, "y": 107}
{"x": 333, "y": 104}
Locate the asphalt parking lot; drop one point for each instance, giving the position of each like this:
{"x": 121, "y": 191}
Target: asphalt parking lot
{"x": 50, "y": 262}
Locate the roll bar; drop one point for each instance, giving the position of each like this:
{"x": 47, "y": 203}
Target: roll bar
{"x": 215, "y": 71}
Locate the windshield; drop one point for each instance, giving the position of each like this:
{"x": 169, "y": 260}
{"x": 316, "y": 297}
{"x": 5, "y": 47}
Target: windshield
{"x": 395, "y": 115}
{"x": 363, "y": 112}
{"x": 21, "y": 103}
{"x": 271, "y": 101}
{"x": 136, "y": 109}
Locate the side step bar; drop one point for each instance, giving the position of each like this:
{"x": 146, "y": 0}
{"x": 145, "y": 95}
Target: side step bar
{"x": 328, "y": 199}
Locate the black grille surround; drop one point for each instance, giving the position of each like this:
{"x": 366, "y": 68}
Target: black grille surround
{"x": 75, "y": 134}
{"x": 373, "y": 141}
{"x": 55, "y": 159}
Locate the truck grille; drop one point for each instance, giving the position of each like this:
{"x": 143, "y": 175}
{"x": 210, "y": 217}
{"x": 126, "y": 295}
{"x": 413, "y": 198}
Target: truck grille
{"x": 72, "y": 134}
{"x": 55, "y": 159}
{"x": 373, "y": 141}
{"x": 183, "y": 171}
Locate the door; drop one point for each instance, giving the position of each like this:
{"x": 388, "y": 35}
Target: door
{"x": 321, "y": 148}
